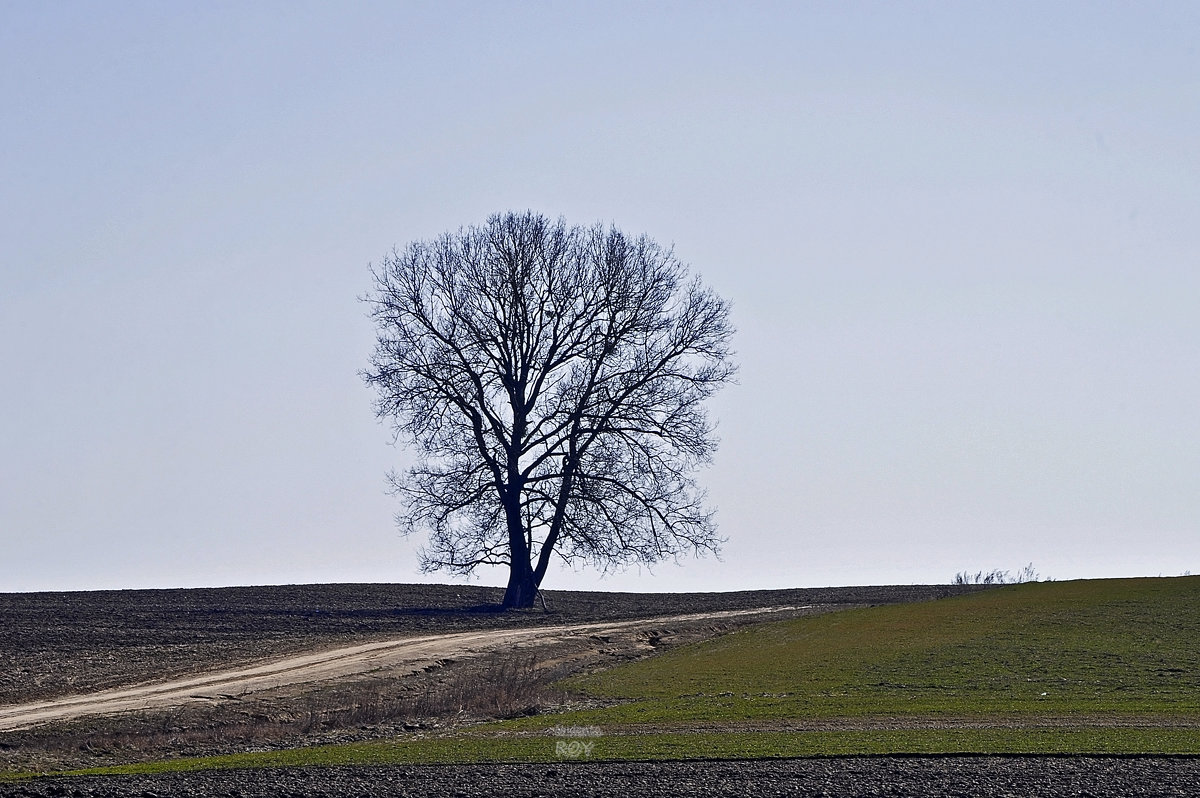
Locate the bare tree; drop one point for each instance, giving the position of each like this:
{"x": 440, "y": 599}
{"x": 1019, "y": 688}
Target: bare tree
{"x": 552, "y": 381}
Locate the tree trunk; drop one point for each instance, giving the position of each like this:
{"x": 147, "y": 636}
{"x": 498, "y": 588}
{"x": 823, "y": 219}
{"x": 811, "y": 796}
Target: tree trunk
{"x": 522, "y": 586}
{"x": 522, "y": 589}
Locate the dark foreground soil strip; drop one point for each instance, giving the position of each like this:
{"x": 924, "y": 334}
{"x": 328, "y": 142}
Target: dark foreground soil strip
{"x": 834, "y": 777}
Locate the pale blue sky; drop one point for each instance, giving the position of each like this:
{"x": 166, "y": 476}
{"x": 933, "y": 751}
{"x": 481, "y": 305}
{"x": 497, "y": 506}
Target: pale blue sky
{"x": 961, "y": 241}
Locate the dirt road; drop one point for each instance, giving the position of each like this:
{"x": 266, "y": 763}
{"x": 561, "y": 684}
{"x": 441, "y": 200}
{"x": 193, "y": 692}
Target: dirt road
{"x": 406, "y": 654}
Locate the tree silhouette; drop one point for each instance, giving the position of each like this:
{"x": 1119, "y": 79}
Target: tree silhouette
{"x": 551, "y": 380}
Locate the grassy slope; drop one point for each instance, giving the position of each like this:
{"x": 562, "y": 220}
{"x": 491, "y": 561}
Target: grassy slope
{"x": 1129, "y": 646}
{"x": 1000, "y": 659}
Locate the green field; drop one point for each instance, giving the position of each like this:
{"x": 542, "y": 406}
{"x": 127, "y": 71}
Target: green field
{"x": 1087, "y": 667}
{"x": 1087, "y": 648}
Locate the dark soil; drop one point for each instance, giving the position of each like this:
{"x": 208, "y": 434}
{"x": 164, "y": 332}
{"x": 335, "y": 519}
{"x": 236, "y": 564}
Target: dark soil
{"x": 55, "y": 644}
{"x": 929, "y": 777}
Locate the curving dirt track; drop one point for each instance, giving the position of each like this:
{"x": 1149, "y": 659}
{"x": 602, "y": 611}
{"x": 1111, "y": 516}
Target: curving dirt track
{"x": 408, "y": 654}
{"x": 58, "y": 644}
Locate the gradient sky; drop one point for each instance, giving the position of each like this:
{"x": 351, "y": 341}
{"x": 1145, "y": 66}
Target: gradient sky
{"x": 962, "y": 242}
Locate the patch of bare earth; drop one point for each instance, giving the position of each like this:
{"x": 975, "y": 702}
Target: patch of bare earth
{"x": 823, "y": 777}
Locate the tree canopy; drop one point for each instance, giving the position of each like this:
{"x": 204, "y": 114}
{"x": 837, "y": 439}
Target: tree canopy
{"x": 551, "y": 380}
